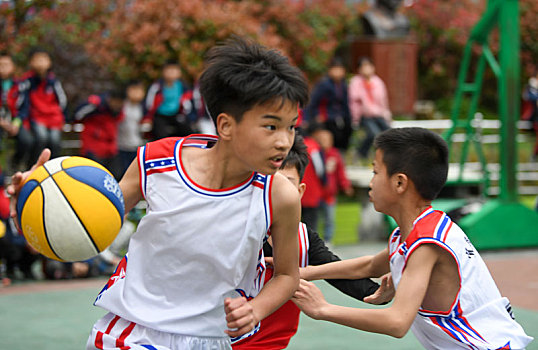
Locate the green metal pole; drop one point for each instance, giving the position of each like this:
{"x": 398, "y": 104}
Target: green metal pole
{"x": 509, "y": 97}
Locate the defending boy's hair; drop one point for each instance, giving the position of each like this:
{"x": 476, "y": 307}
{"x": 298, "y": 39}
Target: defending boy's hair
{"x": 297, "y": 156}
{"x": 242, "y": 74}
{"x": 419, "y": 153}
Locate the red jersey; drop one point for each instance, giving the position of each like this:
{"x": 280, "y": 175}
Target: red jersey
{"x": 277, "y": 329}
{"x": 313, "y": 175}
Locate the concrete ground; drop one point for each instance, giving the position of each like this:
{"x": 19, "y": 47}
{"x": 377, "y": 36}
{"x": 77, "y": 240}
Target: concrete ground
{"x": 59, "y": 315}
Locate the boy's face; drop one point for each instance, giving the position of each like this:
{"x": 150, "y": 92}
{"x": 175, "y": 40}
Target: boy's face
{"x": 337, "y": 73}
{"x": 381, "y": 192}
{"x": 171, "y": 73}
{"x": 135, "y": 93}
{"x": 6, "y": 67}
{"x": 367, "y": 69}
{"x": 324, "y": 138}
{"x": 263, "y": 137}
{"x": 291, "y": 173}
{"x": 40, "y": 62}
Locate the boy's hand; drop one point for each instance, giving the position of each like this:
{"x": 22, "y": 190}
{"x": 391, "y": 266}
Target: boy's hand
{"x": 240, "y": 316}
{"x": 384, "y": 293}
{"x": 17, "y": 180}
{"x": 269, "y": 262}
{"x": 309, "y": 299}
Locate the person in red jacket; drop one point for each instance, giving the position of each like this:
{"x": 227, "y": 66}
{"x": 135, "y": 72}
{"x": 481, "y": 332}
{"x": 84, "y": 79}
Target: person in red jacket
{"x": 315, "y": 179}
{"x": 335, "y": 173}
{"x": 100, "y": 115}
{"x": 43, "y": 104}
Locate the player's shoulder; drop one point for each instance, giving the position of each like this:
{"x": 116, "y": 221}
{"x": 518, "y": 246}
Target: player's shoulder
{"x": 284, "y": 195}
{"x": 433, "y": 225}
{"x": 163, "y": 148}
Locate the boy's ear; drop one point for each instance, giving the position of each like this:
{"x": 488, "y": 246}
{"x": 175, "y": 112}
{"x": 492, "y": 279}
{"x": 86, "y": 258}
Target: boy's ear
{"x": 302, "y": 188}
{"x": 225, "y": 123}
{"x": 400, "y": 182}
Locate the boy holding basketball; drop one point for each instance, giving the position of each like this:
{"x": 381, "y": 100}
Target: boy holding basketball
{"x": 188, "y": 279}
{"x": 444, "y": 291}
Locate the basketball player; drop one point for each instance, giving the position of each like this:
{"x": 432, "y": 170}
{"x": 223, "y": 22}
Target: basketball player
{"x": 187, "y": 281}
{"x": 444, "y": 291}
{"x": 277, "y": 329}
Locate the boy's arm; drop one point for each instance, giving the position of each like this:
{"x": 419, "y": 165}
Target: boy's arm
{"x": 361, "y": 267}
{"x": 244, "y": 316}
{"x": 394, "y": 320}
{"x": 130, "y": 186}
{"x": 319, "y": 254}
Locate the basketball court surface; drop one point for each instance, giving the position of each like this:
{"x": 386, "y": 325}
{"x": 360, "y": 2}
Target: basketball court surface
{"x": 59, "y": 315}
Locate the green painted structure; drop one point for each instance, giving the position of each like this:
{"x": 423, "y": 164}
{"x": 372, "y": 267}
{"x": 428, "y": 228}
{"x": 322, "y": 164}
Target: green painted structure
{"x": 502, "y": 222}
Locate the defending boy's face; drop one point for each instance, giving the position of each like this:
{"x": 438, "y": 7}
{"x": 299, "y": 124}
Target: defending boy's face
{"x": 291, "y": 173}
{"x": 381, "y": 192}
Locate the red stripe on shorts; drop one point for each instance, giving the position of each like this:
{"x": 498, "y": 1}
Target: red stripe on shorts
{"x": 99, "y": 336}
{"x": 120, "y": 342}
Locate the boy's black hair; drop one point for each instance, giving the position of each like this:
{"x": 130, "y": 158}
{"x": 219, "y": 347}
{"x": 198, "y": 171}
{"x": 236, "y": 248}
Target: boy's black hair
{"x": 336, "y": 62}
{"x": 37, "y": 49}
{"x": 242, "y": 74}
{"x": 315, "y": 126}
{"x": 297, "y": 156}
{"x": 4, "y": 53}
{"x": 170, "y": 62}
{"x": 419, "y": 153}
{"x": 133, "y": 82}
{"x": 364, "y": 59}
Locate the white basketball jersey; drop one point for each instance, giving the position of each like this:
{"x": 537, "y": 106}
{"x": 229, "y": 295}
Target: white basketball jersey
{"x": 194, "y": 248}
{"x": 479, "y": 318}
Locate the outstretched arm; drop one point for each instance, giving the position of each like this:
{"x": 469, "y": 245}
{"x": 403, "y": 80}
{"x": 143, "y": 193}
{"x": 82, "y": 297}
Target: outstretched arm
{"x": 361, "y": 267}
{"x": 394, "y": 320}
{"x": 242, "y": 315}
{"x": 319, "y": 254}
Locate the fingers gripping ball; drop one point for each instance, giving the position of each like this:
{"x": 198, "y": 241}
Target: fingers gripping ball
{"x": 70, "y": 209}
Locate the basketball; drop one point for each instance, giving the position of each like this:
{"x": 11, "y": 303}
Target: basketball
{"x": 70, "y": 208}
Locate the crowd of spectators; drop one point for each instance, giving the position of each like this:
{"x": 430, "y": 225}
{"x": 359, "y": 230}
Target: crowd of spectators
{"x": 116, "y": 122}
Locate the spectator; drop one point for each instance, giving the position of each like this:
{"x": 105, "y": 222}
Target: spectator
{"x": 199, "y": 117}
{"x": 368, "y": 103}
{"x": 9, "y": 119}
{"x": 131, "y": 127}
{"x": 100, "y": 115}
{"x": 43, "y": 104}
{"x": 335, "y": 173}
{"x": 315, "y": 180}
{"x": 163, "y": 104}
{"x": 329, "y": 105}
{"x": 530, "y": 109}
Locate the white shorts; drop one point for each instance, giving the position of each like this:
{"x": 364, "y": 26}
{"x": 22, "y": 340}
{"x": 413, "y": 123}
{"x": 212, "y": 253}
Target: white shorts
{"x": 114, "y": 332}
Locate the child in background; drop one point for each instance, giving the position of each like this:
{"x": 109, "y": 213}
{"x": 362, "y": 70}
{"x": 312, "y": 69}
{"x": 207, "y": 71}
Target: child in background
{"x": 336, "y": 178}
{"x": 132, "y": 124}
{"x": 100, "y": 115}
{"x": 315, "y": 180}
{"x": 164, "y": 104}
{"x": 10, "y": 121}
{"x": 329, "y": 104}
{"x": 277, "y": 329}
{"x": 444, "y": 291}
{"x": 368, "y": 104}
{"x": 43, "y": 104}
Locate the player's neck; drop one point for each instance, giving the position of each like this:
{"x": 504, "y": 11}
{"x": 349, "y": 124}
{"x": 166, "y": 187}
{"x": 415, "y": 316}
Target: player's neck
{"x": 213, "y": 168}
{"x": 406, "y": 214}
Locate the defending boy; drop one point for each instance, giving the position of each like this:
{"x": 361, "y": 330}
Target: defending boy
{"x": 188, "y": 279}
{"x": 444, "y": 291}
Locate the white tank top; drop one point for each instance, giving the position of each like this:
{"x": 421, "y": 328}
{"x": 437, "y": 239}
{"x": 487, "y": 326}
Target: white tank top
{"x": 194, "y": 248}
{"x": 479, "y": 318}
